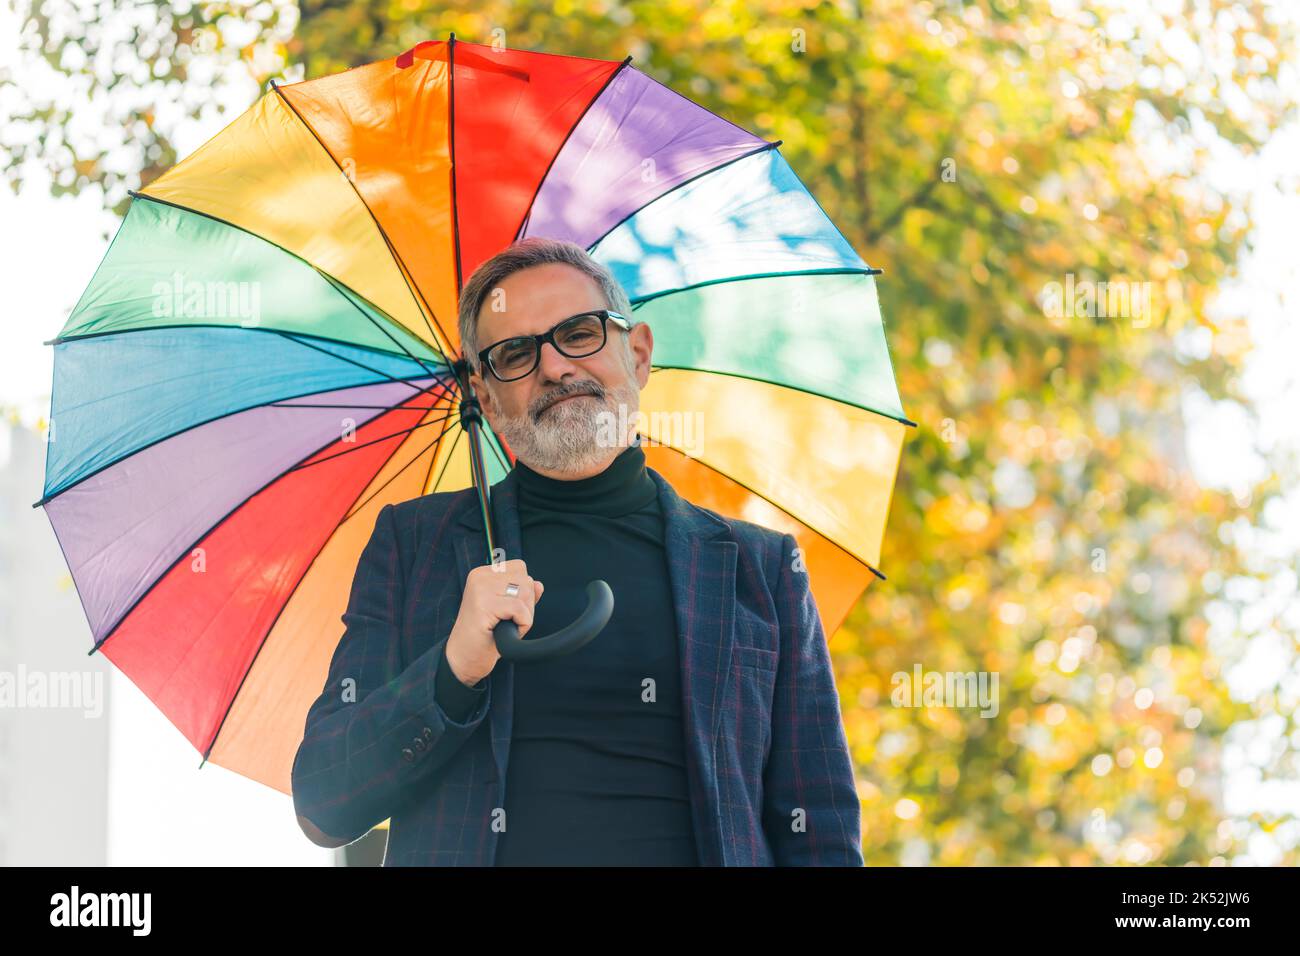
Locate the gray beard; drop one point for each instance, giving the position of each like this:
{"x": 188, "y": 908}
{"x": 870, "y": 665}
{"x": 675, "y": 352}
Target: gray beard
{"x": 572, "y": 437}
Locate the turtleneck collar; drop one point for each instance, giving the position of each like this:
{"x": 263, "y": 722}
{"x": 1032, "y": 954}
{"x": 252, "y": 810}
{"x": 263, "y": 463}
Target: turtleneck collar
{"x": 623, "y": 487}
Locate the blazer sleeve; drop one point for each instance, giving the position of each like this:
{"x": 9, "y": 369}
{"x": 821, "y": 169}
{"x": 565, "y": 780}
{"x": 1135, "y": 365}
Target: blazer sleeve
{"x": 811, "y": 812}
{"x": 456, "y": 698}
{"x": 374, "y": 733}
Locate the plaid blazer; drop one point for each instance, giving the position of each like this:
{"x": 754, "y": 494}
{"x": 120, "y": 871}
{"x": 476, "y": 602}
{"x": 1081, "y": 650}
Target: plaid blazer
{"x": 771, "y": 781}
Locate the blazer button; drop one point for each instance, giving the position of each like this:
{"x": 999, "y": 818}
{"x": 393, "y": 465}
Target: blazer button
{"x": 427, "y": 734}
{"x": 408, "y": 754}
{"x": 419, "y": 743}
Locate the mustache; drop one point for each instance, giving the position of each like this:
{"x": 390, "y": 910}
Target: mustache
{"x": 566, "y": 391}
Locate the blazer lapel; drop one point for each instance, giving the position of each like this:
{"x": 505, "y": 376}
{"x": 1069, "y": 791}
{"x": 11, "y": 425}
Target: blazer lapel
{"x": 702, "y": 574}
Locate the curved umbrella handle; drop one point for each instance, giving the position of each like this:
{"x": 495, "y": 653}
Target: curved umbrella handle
{"x": 600, "y": 605}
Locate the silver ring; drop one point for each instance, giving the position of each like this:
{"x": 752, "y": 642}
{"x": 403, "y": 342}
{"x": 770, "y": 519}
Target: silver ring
{"x": 512, "y": 590}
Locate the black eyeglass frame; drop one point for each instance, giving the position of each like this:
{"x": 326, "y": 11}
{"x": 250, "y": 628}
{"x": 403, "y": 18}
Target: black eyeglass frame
{"x": 541, "y": 338}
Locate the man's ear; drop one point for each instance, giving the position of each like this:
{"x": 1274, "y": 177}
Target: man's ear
{"x": 486, "y": 400}
{"x": 642, "y": 342}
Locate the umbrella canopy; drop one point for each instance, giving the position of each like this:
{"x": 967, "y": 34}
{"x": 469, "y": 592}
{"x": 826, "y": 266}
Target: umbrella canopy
{"x": 264, "y": 357}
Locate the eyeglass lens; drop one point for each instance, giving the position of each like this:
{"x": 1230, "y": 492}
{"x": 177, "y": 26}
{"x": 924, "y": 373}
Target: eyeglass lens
{"x": 577, "y": 337}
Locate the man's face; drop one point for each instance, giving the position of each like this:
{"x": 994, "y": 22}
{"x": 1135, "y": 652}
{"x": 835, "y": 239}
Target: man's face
{"x": 558, "y": 418}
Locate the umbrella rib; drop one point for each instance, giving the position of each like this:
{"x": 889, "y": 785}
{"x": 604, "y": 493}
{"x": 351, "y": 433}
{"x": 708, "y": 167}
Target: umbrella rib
{"x": 707, "y": 172}
{"x": 868, "y": 271}
{"x": 372, "y": 321}
{"x": 609, "y": 80}
{"x": 403, "y": 431}
{"x": 796, "y": 388}
{"x": 427, "y": 311}
{"x": 216, "y": 418}
{"x": 392, "y": 378}
{"x": 433, "y": 371}
{"x": 774, "y": 504}
{"x": 414, "y": 408}
{"x": 495, "y": 445}
{"x": 451, "y": 150}
{"x": 208, "y": 531}
{"x": 307, "y": 570}
{"x": 337, "y": 285}
{"x": 747, "y": 132}
{"x": 447, "y": 423}
{"x": 434, "y": 459}
{"x": 684, "y": 182}
{"x": 447, "y": 460}
{"x": 417, "y": 296}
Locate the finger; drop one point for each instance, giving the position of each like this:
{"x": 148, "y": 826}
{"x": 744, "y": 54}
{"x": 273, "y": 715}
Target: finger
{"x": 493, "y": 586}
{"x": 519, "y": 611}
{"x": 527, "y": 590}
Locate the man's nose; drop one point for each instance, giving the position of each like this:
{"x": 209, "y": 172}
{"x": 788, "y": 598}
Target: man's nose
{"x": 553, "y": 365}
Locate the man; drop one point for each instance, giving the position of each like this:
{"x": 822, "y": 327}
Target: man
{"x": 700, "y": 727}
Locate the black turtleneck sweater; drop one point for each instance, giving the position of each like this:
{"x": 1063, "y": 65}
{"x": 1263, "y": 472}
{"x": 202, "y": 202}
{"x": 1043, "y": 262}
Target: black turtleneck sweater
{"x": 597, "y": 769}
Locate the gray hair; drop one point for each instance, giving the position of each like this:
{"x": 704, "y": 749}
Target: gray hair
{"x": 533, "y": 251}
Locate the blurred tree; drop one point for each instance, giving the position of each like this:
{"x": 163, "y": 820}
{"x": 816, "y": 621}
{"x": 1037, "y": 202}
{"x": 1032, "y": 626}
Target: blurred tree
{"x": 997, "y": 158}
{"x": 146, "y": 68}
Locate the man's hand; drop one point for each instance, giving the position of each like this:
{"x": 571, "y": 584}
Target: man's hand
{"x": 471, "y": 648}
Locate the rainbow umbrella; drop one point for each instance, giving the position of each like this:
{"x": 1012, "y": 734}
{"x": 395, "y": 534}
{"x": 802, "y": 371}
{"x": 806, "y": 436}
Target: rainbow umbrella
{"x": 266, "y": 357}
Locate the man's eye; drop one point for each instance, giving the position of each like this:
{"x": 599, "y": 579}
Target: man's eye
{"x": 511, "y": 354}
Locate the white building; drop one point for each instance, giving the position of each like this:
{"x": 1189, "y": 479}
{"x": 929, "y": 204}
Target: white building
{"x": 120, "y": 787}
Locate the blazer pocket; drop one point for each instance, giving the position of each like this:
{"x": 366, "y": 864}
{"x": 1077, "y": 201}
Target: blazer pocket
{"x": 758, "y": 657}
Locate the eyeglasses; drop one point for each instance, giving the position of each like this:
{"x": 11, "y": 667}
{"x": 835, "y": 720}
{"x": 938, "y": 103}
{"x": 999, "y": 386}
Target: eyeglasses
{"x": 576, "y": 337}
